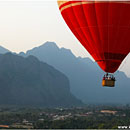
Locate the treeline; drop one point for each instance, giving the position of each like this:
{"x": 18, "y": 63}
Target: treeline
{"x": 61, "y": 118}
{"x": 107, "y": 122}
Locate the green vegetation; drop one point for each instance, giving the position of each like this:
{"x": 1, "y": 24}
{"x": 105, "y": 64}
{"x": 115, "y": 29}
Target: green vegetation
{"x": 90, "y": 117}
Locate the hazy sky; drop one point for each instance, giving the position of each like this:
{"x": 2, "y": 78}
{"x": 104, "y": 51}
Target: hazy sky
{"x": 25, "y": 24}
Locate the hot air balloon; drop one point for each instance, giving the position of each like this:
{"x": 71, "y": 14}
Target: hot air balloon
{"x": 103, "y": 28}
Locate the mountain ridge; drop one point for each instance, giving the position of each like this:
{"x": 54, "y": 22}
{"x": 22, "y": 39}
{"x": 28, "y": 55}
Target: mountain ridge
{"x": 3, "y": 50}
{"x": 85, "y": 75}
{"x": 30, "y": 82}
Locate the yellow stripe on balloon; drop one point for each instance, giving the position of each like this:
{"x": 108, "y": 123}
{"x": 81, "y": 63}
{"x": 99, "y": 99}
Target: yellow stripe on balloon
{"x": 86, "y": 2}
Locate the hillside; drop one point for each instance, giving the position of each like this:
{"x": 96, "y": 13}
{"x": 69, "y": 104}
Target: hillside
{"x": 3, "y": 50}
{"x": 85, "y": 76}
{"x": 29, "y": 82}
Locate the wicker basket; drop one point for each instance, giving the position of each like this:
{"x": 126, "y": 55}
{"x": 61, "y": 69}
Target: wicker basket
{"x": 110, "y": 83}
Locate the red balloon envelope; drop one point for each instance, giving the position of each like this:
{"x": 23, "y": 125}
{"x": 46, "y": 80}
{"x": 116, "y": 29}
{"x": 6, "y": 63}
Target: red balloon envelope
{"x": 102, "y": 27}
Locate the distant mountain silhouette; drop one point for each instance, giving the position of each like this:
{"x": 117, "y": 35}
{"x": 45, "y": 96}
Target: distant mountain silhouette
{"x": 3, "y": 50}
{"x": 126, "y": 65}
{"x": 29, "y": 82}
{"x": 85, "y": 76}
